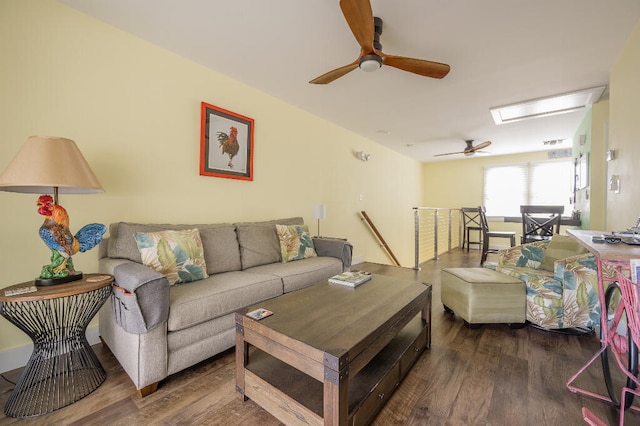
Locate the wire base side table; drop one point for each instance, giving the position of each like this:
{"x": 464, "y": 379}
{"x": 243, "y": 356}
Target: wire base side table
{"x": 63, "y": 368}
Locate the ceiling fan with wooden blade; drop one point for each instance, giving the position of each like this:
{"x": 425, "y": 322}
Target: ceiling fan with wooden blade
{"x": 367, "y": 29}
{"x": 469, "y": 150}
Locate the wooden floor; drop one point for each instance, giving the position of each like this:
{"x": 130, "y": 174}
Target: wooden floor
{"x": 488, "y": 376}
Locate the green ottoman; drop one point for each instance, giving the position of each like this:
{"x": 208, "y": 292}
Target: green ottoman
{"x": 483, "y": 296}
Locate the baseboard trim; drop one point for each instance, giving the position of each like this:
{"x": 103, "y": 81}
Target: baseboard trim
{"x": 17, "y": 357}
{"x": 357, "y": 260}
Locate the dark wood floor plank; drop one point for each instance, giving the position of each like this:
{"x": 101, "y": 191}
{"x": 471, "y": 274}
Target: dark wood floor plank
{"x": 408, "y": 405}
{"x": 111, "y": 414}
{"x": 493, "y": 375}
{"x": 472, "y": 404}
{"x": 510, "y": 399}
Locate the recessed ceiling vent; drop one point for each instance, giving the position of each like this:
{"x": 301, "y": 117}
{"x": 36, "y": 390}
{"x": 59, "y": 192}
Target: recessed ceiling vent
{"x": 544, "y": 107}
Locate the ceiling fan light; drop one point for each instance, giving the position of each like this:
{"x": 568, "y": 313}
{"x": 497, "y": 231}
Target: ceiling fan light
{"x": 370, "y": 62}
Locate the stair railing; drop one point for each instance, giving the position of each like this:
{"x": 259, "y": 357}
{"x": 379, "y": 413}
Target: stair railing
{"x": 365, "y": 218}
{"x": 437, "y": 230}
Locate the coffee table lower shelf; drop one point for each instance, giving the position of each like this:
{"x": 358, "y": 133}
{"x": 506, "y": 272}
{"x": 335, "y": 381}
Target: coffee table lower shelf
{"x": 288, "y": 393}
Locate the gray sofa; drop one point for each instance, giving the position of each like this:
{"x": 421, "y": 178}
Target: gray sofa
{"x": 155, "y": 330}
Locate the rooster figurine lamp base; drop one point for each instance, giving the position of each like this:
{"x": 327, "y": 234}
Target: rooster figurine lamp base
{"x": 63, "y": 244}
{"x": 61, "y": 280}
{"x": 49, "y": 276}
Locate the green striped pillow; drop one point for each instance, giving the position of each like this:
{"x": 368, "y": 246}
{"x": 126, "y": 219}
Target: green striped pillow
{"x": 560, "y": 247}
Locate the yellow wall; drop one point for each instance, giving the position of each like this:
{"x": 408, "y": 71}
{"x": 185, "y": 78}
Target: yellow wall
{"x": 581, "y": 147}
{"x": 598, "y": 165}
{"x": 591, "y": 139}
{"x": 459, "y": 183}
{"x": 134, "y": 111}
{"x": 624, "y": 135}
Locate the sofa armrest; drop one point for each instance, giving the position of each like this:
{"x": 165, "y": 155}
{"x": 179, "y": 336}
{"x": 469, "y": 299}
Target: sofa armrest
{"x": 578, "y": 276}
{"x": 576, "y": 270}
{"x": 581, "y": 267}
{"x": 140, "y": 297}
{"x": 334, "y": 247}
{"x": 528, "y": 255}
{"x": 577, "y": 262}
{"x": 102, "y": 248}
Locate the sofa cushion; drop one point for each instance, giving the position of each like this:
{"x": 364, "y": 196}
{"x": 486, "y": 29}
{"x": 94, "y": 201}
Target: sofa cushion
{"x": 259, "y": 244}
{"x": 221, "y": 250}
{"x": 218, "y": 295}
{"x": 527, "y": 255}
{"x": 560, "y": 247}
{"x": 295, "y": 242}
{"x": 176, "y": 254}
{"x": 302, "y": 273}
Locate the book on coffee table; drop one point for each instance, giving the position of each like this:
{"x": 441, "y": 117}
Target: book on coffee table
{"x": 351, "y": 278}
{"x": 258, "y": 314}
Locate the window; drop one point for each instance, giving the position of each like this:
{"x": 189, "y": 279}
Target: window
{"x": 507, "y": 187}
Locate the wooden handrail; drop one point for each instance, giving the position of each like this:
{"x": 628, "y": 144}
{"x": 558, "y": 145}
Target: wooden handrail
{"x": 381, "y": 240}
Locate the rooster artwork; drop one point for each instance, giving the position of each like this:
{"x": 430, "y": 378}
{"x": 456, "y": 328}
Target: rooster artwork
{"x": 229, "y": 144}
{"x": 56, "y": 235}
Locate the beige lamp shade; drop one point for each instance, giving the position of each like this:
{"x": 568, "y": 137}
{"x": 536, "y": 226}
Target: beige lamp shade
{"x": 319, "y": 211}
{"x": 45, "y": 163}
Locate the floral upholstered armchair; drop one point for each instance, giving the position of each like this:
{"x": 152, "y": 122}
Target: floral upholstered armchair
{"x": 561, "y": 281}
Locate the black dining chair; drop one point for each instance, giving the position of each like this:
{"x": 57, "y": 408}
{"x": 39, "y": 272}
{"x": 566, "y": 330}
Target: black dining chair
{"x": 471, "y": 223}
{"x": 539, "y": 223}
{"x": 488, "y": 234}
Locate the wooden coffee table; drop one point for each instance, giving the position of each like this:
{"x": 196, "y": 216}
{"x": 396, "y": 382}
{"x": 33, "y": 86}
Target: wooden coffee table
{"x": 331, "y": 354}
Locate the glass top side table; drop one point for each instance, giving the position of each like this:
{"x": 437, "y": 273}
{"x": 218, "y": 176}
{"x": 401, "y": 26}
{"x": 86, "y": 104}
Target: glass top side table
{"x": 63, "y": 368}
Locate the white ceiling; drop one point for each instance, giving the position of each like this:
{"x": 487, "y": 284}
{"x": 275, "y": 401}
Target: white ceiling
{"x": 500, "y": 52}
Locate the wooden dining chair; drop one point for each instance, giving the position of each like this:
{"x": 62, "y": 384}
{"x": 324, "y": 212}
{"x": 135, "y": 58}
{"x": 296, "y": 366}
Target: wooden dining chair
{"x": 488, "y": 234}
{"x": 471, "y": 223}
{"x": 539, "y": 223}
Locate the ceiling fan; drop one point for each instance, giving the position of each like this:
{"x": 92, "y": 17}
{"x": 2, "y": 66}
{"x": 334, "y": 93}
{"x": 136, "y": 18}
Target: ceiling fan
{"x": 367, "y": 30}
{"x": 470, "y": 149}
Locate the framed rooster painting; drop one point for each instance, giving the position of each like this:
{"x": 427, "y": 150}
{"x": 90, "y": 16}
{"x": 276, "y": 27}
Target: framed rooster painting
{"x": 226, "y": 143}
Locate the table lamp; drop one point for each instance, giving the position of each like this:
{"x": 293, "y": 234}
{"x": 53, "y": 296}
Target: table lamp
{"x": 319, "y": 211}
{"x": 52, "y": 165}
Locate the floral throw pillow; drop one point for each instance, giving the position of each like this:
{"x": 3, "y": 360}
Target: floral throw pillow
{"x": 295, "y": 242}
{"x": 176, "y": 254}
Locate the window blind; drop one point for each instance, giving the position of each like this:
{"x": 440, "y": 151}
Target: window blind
{"x": 508, "y": 186}
{"x": 550, "y": 184}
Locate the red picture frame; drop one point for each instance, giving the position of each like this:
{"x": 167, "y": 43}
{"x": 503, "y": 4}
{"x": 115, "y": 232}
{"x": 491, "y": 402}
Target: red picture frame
{"x": 226, "y": 143}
